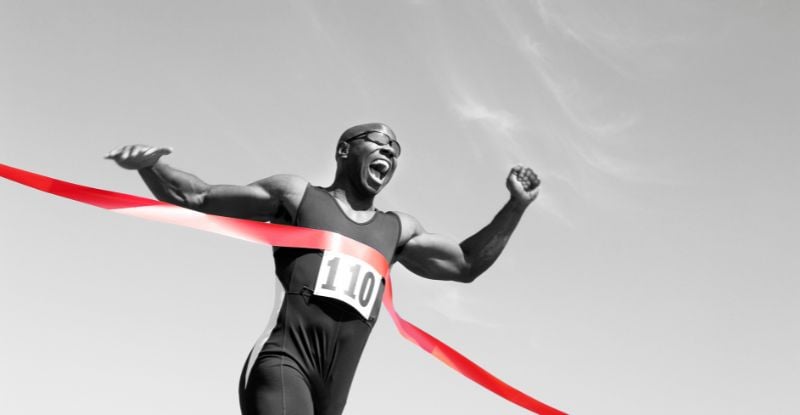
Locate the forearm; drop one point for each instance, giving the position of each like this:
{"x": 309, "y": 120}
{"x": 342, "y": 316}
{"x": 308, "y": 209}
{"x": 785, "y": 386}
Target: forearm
{"x": 174, "y": 186}
{"x": 483, "y": 248}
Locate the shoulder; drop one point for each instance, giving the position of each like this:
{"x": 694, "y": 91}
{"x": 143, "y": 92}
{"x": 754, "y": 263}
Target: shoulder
{"x": 281, "y": 183}
{"x": 287, "y": 188}
{"x": 409, "y": 227}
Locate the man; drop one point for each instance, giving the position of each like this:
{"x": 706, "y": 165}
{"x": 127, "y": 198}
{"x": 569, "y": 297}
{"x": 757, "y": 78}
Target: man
{"x": 306, "y": 365}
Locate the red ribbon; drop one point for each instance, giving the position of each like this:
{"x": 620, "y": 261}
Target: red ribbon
{"x": 285, "y": 236}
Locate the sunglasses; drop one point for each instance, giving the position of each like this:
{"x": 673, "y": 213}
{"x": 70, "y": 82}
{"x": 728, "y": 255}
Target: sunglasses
{"x": 379, "y": 138}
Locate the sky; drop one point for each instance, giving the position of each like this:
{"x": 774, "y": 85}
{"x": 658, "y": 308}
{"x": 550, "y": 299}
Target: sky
{"x": 654, "y": 274}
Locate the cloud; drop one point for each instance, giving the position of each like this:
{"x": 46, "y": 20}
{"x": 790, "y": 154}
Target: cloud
{"x": 596, "y": 42}
{"x": 495, "y": 124}
{"x": 588, "y": 112}
{"x": 571, "y": 98}
{"x": 625, "y": 38}
{"x": 496, "y": 121}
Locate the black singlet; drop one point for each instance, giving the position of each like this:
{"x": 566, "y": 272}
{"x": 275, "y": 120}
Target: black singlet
{"x": 307, "y": 364}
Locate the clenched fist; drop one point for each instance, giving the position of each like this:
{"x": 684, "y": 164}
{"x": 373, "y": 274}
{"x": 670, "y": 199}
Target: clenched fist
{"x": 523, "y": 184}
{"x": 137, "y": 156}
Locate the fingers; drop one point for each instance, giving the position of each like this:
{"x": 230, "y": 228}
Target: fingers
{"x": 514, "y": 173}
{"x": 526, "y": 177}
{"x": 120, "y": 152}
{"x": 115, "y": 152}
{"x": 140, "y": 151}
{"x": 137, "y": 156}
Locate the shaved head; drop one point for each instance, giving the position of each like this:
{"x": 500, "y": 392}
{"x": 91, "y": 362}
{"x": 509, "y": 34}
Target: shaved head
{"x": 365, "y": 128}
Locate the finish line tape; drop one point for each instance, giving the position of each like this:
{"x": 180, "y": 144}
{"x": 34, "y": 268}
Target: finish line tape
{"x": 282, "y": 236}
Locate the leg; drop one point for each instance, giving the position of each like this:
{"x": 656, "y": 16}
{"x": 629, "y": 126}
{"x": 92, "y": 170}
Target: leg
{"x": 275, "y": 388}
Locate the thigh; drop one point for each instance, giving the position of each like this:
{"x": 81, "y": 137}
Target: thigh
{"x": 275, "y": 388}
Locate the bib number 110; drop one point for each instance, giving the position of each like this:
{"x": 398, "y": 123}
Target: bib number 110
{"x": 350, "y": 280}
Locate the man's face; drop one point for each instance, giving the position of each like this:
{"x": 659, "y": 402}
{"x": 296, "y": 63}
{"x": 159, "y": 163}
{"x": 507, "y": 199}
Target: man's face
{"x": 372, "y": 163}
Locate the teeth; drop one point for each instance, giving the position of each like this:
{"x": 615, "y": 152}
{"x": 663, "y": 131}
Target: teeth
{"x": 381, "y": 166}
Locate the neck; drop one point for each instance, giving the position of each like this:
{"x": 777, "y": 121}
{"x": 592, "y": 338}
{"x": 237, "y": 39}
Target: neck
{"x": 344, "y": 191}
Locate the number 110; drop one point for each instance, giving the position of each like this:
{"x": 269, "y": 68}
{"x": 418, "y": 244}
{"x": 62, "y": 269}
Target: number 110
{"x": 367, "y": 283}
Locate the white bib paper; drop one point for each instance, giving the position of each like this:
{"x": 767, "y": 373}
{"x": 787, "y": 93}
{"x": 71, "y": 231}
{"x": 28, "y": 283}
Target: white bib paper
{"x": 349, "y": 280}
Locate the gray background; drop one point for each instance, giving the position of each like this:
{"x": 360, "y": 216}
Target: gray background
{"x": 656, "y": 274}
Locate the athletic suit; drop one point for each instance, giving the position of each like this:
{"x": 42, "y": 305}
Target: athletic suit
{"x": 307, "y": 364}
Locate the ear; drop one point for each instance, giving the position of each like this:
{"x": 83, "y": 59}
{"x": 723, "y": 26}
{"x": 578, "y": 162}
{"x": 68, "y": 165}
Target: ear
{"x": 343, "y": 150}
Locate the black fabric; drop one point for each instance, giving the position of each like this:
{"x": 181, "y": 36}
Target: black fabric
{"x": 307, "y": 365}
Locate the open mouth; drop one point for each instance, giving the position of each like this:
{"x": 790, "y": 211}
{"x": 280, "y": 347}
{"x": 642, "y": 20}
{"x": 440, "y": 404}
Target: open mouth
{"x": 378, "y": 170}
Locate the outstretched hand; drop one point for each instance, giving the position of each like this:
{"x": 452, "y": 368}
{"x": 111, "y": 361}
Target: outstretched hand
{"x": 523, "y": 184}
{"x": 137, "y": 156}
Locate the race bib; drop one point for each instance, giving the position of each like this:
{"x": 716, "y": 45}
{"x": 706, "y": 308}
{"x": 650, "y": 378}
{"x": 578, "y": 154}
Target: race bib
{"x": 349, "y": 280}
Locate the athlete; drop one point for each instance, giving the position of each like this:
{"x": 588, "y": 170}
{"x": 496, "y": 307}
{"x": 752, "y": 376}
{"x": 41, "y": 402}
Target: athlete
{"x": 305, "y": 365}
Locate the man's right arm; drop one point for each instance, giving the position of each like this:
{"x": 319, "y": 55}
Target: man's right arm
{"x": 260, "y": 200}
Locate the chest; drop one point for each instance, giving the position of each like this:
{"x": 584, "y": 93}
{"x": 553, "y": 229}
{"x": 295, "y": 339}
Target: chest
{"x": 319, "y": 210}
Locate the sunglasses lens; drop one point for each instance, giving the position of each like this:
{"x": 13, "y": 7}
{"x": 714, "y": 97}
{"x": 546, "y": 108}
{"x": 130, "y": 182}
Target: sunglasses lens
{"x": 384, "y": 139}
{"x": 379, "y": 138}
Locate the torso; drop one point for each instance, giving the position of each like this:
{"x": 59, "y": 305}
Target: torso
{"x": 297, "y": 268}
{"x": 321, "y": 337}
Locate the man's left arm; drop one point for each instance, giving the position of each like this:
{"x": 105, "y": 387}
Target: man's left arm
{"x": 438, "y": 257}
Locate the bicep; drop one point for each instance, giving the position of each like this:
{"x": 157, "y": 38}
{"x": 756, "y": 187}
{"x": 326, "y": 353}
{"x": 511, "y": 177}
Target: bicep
{"x": 260, "y": 200}
{"x": 433, "y": 256}
{"x": 246, "y": 202}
